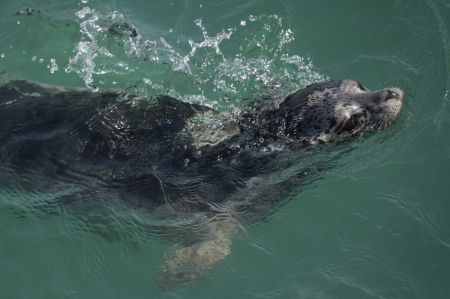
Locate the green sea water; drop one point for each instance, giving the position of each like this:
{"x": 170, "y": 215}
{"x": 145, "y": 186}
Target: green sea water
{"x": 376, "y": 225}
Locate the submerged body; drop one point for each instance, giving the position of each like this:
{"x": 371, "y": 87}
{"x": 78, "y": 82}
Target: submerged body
{"x": 158, "y": 157}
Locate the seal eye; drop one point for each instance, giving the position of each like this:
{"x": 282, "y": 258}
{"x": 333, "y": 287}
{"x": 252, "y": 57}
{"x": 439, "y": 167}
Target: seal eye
{"x": 393, "y": 94}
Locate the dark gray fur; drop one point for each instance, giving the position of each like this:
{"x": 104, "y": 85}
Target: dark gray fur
{"x": 143, "y": 149}
{"x": 162, "y": 157}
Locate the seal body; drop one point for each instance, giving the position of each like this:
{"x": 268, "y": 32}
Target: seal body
{"x": 157, "y": 153}
{"x": 169, "y": 157}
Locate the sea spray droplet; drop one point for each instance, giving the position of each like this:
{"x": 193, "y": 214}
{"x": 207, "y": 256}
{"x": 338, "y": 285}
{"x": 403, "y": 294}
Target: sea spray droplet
{"x": 209, "y": 41}
{"x": 242, "y": 71}
{"x": 117, "y": 16}
{"x": 198, "y": 22}
{"x": 53, "y": 66}
{"x": 286, "y": 37}
{"x": 83, "y": 62}
{"x": 87, "y": 50}
{"x": 81, "y": 14}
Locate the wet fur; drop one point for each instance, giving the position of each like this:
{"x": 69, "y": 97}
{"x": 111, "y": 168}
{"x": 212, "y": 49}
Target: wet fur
{"x": 145, "y": 151}
{"x": 164, "y": 156}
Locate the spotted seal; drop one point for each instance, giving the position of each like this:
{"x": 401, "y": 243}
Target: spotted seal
{"x": 170, "y": 157}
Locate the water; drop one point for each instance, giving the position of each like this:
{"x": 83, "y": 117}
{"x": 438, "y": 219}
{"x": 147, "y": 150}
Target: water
{"x": 375, "y": 225}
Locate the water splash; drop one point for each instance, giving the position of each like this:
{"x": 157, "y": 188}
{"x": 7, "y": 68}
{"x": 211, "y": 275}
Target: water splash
{"x": 83, "y": 63}
{"x": 248, "y": 61}
{"x": 53, "y": 67}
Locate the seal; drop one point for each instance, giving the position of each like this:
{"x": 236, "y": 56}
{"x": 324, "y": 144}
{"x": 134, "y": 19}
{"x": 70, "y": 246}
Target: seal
{"x": 170, "y": 157}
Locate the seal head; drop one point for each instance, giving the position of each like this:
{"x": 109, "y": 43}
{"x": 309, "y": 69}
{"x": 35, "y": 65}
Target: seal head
{"x": 338, "y": 110}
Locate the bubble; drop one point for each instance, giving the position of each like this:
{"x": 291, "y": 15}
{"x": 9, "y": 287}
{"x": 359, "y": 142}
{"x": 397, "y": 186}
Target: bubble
{"x": 243, "y": 23}
{"x": 34, "y": 58}
{"x": 2, "y": 55}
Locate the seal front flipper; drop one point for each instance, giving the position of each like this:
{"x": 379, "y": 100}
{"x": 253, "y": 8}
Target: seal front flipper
{"x": 186, "y": 264}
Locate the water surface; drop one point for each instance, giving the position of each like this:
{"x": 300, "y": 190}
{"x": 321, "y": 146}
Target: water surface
{"x": 376, "y": 225}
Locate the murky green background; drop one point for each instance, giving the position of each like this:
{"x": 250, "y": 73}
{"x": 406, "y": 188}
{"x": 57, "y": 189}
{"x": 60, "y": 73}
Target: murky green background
{"x": 377, "y": 225}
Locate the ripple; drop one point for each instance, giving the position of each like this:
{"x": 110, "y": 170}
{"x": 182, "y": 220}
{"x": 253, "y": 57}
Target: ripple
{"x": 419, "y": 212}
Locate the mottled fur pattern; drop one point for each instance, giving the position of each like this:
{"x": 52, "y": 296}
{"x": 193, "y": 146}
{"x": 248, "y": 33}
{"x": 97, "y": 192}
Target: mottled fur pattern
{"x": 338, "y": 110}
